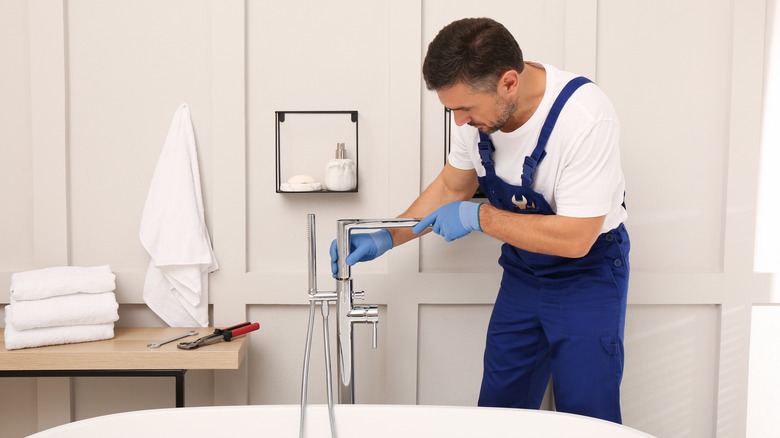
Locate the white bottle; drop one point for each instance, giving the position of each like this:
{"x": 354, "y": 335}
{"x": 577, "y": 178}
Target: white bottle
{"x": 340, "y": 175}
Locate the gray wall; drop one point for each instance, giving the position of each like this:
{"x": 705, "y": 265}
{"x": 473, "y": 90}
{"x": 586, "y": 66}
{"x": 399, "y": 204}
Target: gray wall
{"x": 89, "y": 88}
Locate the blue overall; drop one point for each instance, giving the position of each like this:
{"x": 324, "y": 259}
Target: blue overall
{"x": 554, "y": 316}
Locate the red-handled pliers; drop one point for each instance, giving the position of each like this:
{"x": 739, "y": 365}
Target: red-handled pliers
{"x": 220, "y": 335}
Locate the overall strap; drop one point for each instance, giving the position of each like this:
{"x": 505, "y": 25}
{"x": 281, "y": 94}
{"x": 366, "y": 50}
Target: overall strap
{"x": 536, "y": 157}
{"x": 486, "y": 150}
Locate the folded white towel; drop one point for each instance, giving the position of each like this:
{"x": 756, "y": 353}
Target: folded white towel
{"x": 61, "y": 280}
{"x": 16, "y": 339}
{"x": 73, "y": 309}
{"x": 173, "y": 232}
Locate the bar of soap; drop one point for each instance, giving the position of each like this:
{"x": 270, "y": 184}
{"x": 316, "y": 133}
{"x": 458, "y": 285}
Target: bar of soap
{"x": 301, "y": 179}
{"x": 309, "y": 187}
{"x": 301, "y": 183}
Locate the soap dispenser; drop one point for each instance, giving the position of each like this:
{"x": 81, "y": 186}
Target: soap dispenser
{"x": 340, "y": 174}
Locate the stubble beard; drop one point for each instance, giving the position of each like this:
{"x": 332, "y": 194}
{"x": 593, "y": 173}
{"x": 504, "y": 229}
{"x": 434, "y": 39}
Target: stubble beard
{"x": 507, "y": 110}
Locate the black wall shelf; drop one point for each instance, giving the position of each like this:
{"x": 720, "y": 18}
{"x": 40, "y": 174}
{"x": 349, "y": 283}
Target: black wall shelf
{"x": 306, "y": 142}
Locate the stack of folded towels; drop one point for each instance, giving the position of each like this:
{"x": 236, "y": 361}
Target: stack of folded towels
{"x": 61, "y": 305}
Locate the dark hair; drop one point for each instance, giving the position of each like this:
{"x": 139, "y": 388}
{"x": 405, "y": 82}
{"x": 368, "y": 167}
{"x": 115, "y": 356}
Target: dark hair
{"x": 475, "y": 51}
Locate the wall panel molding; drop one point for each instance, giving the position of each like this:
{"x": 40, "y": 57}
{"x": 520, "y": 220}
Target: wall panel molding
{"x": 405, "y": 53}
{"x": 49, "y": 136}
{"x": 581, "y": 38}
{"x": 228, "y": 229}
{"x": 49, "y": 143}
{"x": 747, "y": 67}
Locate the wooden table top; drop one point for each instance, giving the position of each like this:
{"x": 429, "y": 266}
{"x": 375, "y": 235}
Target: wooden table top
{"x": 128, "y": 351}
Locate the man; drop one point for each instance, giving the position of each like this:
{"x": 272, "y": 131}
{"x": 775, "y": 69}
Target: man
{"x": 543, "y": 146}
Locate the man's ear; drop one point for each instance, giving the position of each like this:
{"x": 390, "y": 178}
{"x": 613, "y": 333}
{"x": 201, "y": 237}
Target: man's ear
{"x": 508, "y": 83}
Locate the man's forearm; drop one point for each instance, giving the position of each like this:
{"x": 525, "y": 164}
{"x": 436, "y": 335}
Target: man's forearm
{"x": 451, "y": 185}
{"x": 545, "y": 234}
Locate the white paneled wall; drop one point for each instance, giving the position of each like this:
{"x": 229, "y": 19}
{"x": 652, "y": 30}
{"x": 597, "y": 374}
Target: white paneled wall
{"x": 674, "y": 101}
{"x": 671, "y": 349}
{"x": 88, "y": 88}
{"x": 16, "y": 161}
{"x": 451, "y": 343}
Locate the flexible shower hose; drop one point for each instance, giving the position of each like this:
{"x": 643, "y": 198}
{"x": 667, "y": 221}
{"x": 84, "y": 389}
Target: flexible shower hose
{"x": 328, "y": 379}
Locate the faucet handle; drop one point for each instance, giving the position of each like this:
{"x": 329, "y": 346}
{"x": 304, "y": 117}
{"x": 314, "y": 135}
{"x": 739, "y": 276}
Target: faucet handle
{"x": 366, "y": 314}
{"x": 374, "y": 330}
{"x": 358, "y": 295}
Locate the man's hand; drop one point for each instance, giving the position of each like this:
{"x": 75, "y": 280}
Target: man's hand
{"x": 452, "y": 221}
{"x": 363, "y": 247}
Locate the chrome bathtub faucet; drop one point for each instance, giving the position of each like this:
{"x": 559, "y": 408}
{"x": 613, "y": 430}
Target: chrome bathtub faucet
{"x": 347, "y": 313}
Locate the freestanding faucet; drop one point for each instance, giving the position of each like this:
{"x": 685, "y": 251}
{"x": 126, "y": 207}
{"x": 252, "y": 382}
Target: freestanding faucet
{"x": 347, "y": 313}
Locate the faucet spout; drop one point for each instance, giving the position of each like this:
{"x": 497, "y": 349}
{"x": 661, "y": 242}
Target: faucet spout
{"x": 345, "y": 227}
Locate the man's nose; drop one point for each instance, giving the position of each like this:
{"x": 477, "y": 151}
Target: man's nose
{"x": 460, "y": 117}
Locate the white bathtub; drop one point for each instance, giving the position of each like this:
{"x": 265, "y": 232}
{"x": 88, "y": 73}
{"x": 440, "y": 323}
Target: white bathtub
{"x": 352, "y": 421}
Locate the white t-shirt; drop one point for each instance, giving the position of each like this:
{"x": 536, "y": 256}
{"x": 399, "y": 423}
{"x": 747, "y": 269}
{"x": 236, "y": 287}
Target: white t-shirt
{"x": 580, "y": 175}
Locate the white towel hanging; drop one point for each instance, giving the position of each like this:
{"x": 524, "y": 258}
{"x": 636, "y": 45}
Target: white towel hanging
{"x": 174, "y": 233}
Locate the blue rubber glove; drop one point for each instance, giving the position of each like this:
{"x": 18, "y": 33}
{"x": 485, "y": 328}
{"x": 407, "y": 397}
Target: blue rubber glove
{"x": 363, "y": 247}
{"x": 452, "y": 221}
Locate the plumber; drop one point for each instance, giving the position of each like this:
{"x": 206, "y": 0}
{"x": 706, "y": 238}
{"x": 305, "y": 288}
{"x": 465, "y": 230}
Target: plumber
{"x": 543, "y": 146}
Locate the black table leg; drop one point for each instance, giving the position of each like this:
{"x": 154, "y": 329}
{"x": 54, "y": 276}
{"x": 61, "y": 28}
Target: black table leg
{"x": 180, "y": 389}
